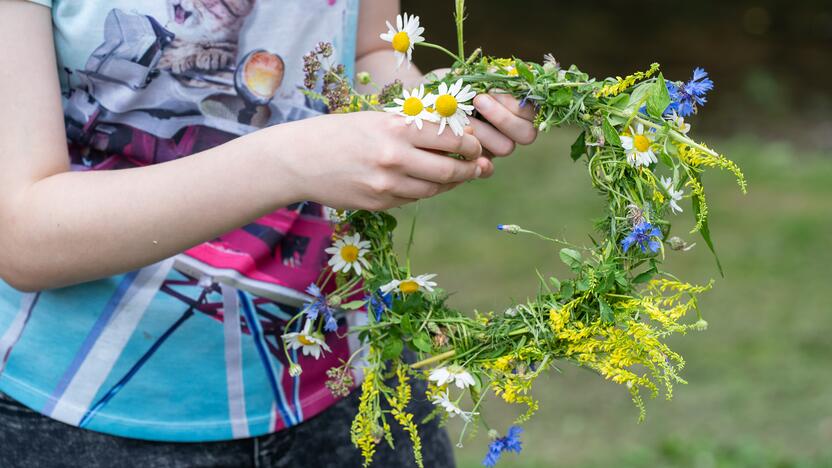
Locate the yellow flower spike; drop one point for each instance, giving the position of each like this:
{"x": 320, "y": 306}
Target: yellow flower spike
{"x": 622, "y": 84}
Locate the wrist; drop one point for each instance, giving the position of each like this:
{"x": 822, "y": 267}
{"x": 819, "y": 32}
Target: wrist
{"x": 280, "y": 152}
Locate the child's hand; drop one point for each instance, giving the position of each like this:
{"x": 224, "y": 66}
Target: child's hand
{"x": 505, "y": 123}
{"x": 375, "y": 161}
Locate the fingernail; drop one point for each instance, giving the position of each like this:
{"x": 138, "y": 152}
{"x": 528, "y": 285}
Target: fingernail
{"x": 477, "y": 172}
{"x": 485, "y": 101}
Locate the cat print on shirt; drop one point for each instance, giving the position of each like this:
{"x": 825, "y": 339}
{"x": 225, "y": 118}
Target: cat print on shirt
{"x": 206, "y": 34}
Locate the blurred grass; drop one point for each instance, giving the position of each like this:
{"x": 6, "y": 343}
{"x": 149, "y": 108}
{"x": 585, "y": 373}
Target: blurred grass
{"x": 760, "y": 377}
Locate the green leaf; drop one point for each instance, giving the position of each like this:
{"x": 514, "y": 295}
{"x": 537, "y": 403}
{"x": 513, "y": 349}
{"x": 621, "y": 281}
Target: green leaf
{"x": 607, "y": 314}
{"x": 523, "y": 70}
{"x": 705, "y": 232}
{"x": 639, "y": 97}
{"x": 407, "y": 326}
{"x": 572, "y": 258}
{"x": 393, "y": 347}
{"x": 422, "y": 342}
{"x": 579, "y": 147}
{"x": 659, "y": 98}
{"x": 555, "y": 283}
{"x": 561, "y": 97}
{"x": 353, "y": 305}
{"x": 645, "y": 276}
{"x": 620, "y": 101}
{"x": 567, "y": 290}
{"x": 610, "y": 133}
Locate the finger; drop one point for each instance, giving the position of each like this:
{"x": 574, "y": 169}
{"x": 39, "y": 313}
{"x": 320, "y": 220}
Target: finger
{"x": 492, "y": 140}
{"x": 416, "y": 189}
{"x": 517, "y": 128}
{"x": 465, "y": 145}
{"x": 439, "y": 169}
{"x": 486, "y": 166}
{"x": 525, "y": 111}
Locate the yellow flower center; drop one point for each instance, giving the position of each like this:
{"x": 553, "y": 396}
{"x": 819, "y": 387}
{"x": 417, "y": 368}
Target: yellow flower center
{"x": 641, "y": 143}
{"x": 446, "y": 105}
{"x": 401, "y": 42}
{"x": 408, "y": 286}
{"x": 349, "y": 253}
{"x": 305, "y": 340}
{"x": 412, "y": 106}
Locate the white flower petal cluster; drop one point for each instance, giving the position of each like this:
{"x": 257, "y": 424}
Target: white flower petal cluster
{"x": 638, "y": 146}
{"x": 411, "y": 285}
{"x": 414, "y": 106}
{"x": 403, "y": 37}
{"x": 675, "y": 195}
{"x": 311, "y": 343}
{"x": 451, "y": 408}
{"x": 452, "y": 374}
{"x": 348, "y": 253}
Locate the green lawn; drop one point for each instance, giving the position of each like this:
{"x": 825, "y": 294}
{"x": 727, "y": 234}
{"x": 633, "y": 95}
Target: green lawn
{"x": 760, "y": 391}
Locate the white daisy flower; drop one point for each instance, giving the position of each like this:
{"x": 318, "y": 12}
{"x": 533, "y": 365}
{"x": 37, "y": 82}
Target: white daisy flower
{"x": 453, "y": 374}
{"x": 411, "y": 285}
{"x": 451, "y": 108}
{"x": 414, "y": 106}
{"x": 403, "y": 37}
{"x": 638, "y": 147}
{"x": 445, "y": 402}
{"x": 348, "y": 252}
{"x": 336, "y": 216}
{"x": 680, "y": 124}
{"x": 311, "y": 343}
{"x": 675, "y": 195}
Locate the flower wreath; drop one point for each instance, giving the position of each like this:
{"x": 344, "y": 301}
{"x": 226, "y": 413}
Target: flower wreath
{"x": 615, "y": 314}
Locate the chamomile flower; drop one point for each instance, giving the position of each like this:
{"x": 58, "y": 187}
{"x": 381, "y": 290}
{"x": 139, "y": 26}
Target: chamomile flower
{"x": 679, "y": 122}
{"x": 450, "y": 407}
{"x": 451, "y": 108}
{"x": 403, "y": 37}
{"x": 414, "y": 106}
{"x": 675, "y": 195}
{"x": 452, "y": 374}
{"x": 411, "y": 285}
{"x": 310, "y": 342}
{"x": 348, "y": 253}
{"x": 638, "y": 147}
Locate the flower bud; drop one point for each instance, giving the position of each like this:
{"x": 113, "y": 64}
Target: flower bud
{"x": 334, "y": 300}
{"x": 509, "y": 228}
{"x": 295, "y": 370}
{"x": 363, "y": 78}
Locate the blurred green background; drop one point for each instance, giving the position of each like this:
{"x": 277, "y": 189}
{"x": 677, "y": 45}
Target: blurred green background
{"x": 760, "y": 391}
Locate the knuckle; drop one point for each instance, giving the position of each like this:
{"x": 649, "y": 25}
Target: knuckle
{"x": 389, "y": 157}
{"x": 432, "y": 190}
{"x": 382, "y": 185}
{"x": 395, "y": 125}
{"x": 447, "y": 175}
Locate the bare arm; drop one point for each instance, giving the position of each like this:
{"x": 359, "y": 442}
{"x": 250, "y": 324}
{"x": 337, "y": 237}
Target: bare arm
{"x": 59, "y": 227}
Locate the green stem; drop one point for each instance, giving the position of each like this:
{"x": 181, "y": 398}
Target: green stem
{"x": 433, "y": 359}
{"x": 439, "y": 47}
{"x": 460, "y": 19}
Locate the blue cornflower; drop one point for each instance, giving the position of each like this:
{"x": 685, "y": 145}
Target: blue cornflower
{"x": 319, "y": 306}
{"x": 644, "y": 235}
{"x": 379, "y": 303}
{"x": 509, "y": 443}
{"x": 686, "y": 96}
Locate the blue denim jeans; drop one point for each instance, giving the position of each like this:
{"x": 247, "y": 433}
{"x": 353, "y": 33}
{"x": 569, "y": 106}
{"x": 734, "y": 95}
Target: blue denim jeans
{"x": 31, "y": 440}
